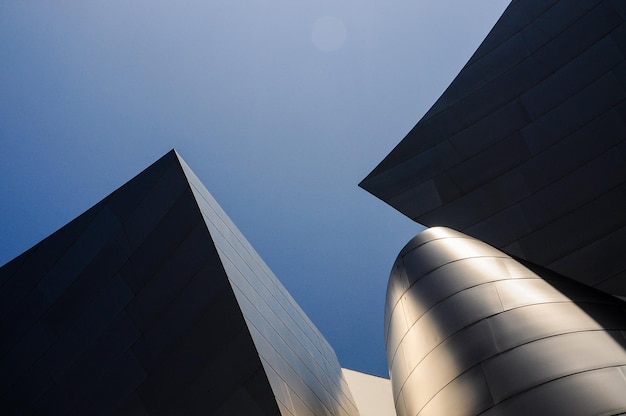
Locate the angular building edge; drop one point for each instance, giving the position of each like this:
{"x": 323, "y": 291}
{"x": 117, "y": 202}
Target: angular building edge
{"x": 151, "y": 302}
{"x": 526, "y": 149}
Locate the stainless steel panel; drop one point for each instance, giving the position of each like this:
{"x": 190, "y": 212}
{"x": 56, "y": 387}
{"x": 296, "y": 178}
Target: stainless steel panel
{"x": 436, "y": 253}
{"x": 400, "y": 405}
{"x": 521, "y": 325}
{"x": 547, "y": 359}
{"x": 399, "y": 369}
{"x": 572, "y": 77}
{"x": 284, "y": 410}
{"x": 517, "y": 18}
{"x": 451, "y": 315}
{"x": 559, "y": 84}
{"x": 397, "y": 329}
{"x": 457, "y": 276}
{"x": 563, "y": 236}
{"x": 153, "y": 206}
{"x": 23, "y": 280}
{"x": 427, "y": 164}
{"x": 591, "y": 140}
{"x": 466, "y": 395}
{"x": 521, "y": 292}
{"x": 615, "y": 284}
{"x": 596, "y": 392}
{"x": 78, "y": 256}
{"x": 430, "y": 234}
{"x": 493, "y": 161}
{"x": 110, "y": 391}
{"x": 449, "y": 360}
{"x": 161, "y": 289}
{"x": 499, "y": 320}
{"x": 460, "y": 310}
{"x": 603, "y": 250}
{"x": 607, "y": 170}
{"x": 287, "y": 341}
{"x": 580, "y": 293}
{"x": 88, "y": 327}
{"x": 500, "y": 123}
{"x": 399, "y": 283}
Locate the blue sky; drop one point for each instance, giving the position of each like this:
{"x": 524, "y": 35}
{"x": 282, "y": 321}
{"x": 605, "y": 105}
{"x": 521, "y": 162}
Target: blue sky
{"x": 280, "y": 108}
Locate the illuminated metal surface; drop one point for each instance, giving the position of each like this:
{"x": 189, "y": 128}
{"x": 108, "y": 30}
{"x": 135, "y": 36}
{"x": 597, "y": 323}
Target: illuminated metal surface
{"x": 468, "y": 329}
{"x": 526, "y": 148}
{"x": 300, "y": 364}
{"x": 152, "y": 302}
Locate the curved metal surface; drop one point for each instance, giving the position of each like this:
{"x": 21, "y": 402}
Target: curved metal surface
{"x": 525, "y": 148}
{"x": 469, "y": 330}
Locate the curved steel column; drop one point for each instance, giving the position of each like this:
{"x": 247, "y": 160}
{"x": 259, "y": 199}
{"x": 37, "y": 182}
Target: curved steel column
{"x": 470, "y": 331}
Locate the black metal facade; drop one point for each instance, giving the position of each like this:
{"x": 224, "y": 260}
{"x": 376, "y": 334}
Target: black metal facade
{"x": 526, "y": 148}
{"x": 152, "y": 302}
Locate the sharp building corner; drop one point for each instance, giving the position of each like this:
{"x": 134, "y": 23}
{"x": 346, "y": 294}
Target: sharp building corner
{"x": 153, "y": 303}
{"x": 510, "y": 303}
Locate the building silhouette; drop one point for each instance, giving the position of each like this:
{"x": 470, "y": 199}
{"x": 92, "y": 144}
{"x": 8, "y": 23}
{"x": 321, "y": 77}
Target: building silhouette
{"x": 526, "y": 151}
{"x": 152, "y": 302}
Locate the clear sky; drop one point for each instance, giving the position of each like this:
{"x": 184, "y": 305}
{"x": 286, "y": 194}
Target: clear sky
{"x": 280, "y": 107}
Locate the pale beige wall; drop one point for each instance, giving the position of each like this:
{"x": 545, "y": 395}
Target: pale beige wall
{"x": 372, "y": 394}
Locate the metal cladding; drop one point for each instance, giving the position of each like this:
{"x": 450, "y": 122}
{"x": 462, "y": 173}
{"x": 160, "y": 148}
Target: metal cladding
{"x": 152, "y": 302}
{"x": 526, "y": 149}
{"x": 470, "y": 330}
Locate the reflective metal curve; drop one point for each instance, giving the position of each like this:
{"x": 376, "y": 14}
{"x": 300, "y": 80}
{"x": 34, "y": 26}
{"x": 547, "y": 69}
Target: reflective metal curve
{"x": 470, "y": 330}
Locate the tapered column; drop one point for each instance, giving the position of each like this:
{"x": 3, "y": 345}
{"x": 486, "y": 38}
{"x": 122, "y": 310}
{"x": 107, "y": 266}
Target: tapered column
{"x": 470, "y": 330}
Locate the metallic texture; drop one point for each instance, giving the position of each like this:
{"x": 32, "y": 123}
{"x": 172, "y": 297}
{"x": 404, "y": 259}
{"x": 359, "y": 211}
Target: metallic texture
{"x": 470, "y": 330}
{"x": 152, "y": 302}
{"x": 526, "y": 149}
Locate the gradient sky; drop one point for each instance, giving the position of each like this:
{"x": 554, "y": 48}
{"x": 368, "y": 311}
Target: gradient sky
{"x": 280, "y": 107}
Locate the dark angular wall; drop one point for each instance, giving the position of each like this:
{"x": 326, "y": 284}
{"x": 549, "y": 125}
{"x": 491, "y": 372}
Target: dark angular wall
{"x": 470, "y": 330}
{"x": 526, "y": 148}
{"x": 139, "y": 306}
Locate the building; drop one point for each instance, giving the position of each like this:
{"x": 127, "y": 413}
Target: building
{"x": 152, "y": 302}
{"x": 526, "y": 151}
{"x": 470, "y": 330}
